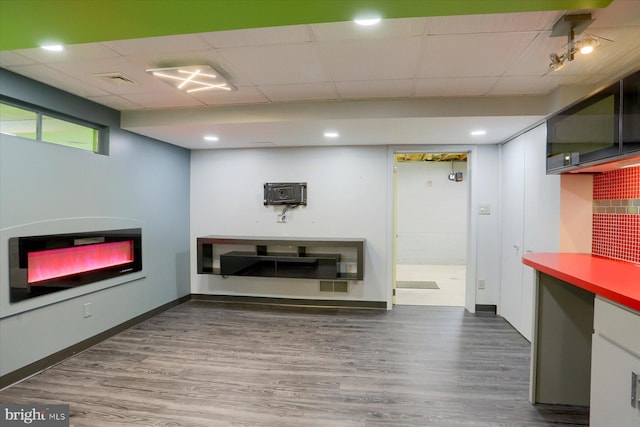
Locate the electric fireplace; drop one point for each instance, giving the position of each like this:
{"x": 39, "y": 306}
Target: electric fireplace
{"x": 40, "y": 265}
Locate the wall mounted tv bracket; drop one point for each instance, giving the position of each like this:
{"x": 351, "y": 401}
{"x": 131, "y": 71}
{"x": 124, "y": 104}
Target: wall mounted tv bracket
{"x": 285, "y": 193}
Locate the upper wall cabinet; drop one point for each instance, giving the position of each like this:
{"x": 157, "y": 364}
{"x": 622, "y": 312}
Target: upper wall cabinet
{"x": 601, "y": 128}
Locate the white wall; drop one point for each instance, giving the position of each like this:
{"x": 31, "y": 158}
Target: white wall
{"x": 347, "y": 198}
{"x": 530, "y": 202}
{"x": 484, "y": 263}
{"x": 431, "y": 213}
{"x": 48, "y": 189}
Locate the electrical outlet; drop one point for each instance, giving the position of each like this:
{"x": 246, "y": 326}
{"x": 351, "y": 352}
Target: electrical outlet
{"x": 481, "y": 284}
{"x": 282, "y": 219}
{"x": 87, "y": 310}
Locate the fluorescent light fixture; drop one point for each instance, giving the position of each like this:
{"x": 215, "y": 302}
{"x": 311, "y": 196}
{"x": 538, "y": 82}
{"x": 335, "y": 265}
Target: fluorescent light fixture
{"x": 193, "y": 78}
{"x": 478, "y": 132}
{"x": 212, "y": 138}
{"x": 367, "y": 21}
{"x": 630, "y": 166}
{"x": 53, "y": 47}
{"x": 331, "y": 134}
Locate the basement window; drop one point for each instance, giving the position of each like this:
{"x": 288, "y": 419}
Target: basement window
{"x": 31, "y": 122}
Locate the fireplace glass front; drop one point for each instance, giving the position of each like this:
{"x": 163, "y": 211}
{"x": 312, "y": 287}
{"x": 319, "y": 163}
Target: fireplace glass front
{"x": 41, "y": 265}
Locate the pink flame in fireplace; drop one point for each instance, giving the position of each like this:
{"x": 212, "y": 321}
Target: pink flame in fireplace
{"x": 54, "y": 263}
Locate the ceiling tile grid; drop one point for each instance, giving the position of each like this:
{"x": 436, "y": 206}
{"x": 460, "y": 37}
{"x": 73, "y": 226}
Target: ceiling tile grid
{"x": 277, "y": 64}
{"x": 458, "y": 57}
{"x": 383, "y": 59}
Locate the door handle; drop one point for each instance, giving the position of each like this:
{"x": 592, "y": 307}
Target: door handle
{"x": 634, "y": 390}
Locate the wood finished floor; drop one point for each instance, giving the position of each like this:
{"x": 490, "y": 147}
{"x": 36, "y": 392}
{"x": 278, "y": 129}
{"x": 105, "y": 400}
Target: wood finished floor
{"x": 216, "y": 364}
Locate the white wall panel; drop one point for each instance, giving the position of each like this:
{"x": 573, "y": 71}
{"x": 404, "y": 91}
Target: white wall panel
{"x": 347, "y": 197}
{"x": 432, "y": 213}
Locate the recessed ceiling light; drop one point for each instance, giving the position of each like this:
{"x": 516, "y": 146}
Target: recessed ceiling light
{"x": 478, "y": 132}
{"x": 212, "y": 138}
{"x": 53, "y": 47}
{"x": 331, "y": 134}
{"x": 367, "y": 21}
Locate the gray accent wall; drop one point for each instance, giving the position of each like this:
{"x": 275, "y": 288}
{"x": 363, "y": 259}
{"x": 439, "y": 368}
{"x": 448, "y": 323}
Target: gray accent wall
{"x": 48, "y": 189}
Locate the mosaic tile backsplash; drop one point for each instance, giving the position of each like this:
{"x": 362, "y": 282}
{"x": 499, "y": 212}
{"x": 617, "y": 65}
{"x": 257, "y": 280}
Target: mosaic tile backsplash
{"x": 616, "y": 214}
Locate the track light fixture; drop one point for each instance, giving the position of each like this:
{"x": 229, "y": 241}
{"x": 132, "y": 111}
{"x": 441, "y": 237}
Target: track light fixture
{"x": 569, "y": 26}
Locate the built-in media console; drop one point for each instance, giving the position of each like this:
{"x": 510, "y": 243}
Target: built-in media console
{"x": 43, "y": 264}
{"x": 308, "y": 258}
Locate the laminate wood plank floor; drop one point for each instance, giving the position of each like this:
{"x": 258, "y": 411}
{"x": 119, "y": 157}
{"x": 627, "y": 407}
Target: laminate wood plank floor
{"x": 224, "y": 364}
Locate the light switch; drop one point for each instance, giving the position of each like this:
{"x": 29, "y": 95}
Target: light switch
{"x": 484, "y": 210}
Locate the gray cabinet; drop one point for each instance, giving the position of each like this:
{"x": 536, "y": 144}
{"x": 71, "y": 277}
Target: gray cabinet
{"x": 615, "y": 366}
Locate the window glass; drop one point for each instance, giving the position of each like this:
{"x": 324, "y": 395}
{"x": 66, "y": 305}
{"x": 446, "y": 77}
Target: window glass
{"x": 41, "y": 125}
{"x": 18, "y": 121}
{"x": 69, "y": 134}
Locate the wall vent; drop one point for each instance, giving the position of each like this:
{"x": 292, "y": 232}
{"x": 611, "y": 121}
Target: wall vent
{"x": 334, "y": 286}
{"x": 117, "y": 78}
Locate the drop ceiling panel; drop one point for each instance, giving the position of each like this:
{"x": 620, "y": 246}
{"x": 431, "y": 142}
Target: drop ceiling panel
{"x": 620, "y": 13}
{"x": 244, "y": 95}
{"x": 375, "y": 89}
{"x": 162, "y": 100}
{"x": 258, "y": 36}
{"x": 523, "y": 85}
{"x": 50, "y": 76}
{"x": 282, "y": 64}
{"x": 479, "y": 55}
{"x": 493, "y": 23}
{"x": 156, "y": 45}
{"x": 300, "y": 92}
{"x": 115, "y": 102}
{"x": 534, "y": 59}
{"x": 9, "y": 58}
{"x": 387, "y": 59}
{"x": 84, "y": 72}
{"x": 388, "y": 28}
{"x": 71, "y": 53}
{"x": 462, "y": 86}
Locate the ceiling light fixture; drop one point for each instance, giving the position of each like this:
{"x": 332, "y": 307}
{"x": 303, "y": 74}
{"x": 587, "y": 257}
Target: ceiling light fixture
{"x": 478, "y": 132}
{"x": 211, "y": 138}
{"x": 630, "y": 166}
{"x": 569, "y": 26}
{"x": 193, "y": 78}
{"x": 53, "y": 47}
{"x": 331, "y": 134}
{"x": 587, "y": 45}
{"x": 367, "y": 21}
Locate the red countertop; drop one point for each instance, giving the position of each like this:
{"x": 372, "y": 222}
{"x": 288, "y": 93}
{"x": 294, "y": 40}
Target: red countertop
{"x": 617, "y": 281}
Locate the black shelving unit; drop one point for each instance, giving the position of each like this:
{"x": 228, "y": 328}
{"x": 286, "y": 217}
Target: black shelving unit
{"x": 302, "y": 258}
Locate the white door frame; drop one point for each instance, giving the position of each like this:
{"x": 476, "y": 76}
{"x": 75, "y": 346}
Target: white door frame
{"x": 470, "y": 289}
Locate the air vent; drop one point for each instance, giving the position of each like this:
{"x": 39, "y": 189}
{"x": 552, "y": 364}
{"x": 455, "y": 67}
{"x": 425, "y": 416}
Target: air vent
{"x": 334, "y": 286}
{"x": 115, "y": 78}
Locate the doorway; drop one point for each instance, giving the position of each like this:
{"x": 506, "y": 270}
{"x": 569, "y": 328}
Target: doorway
{"x": 431, "y": 217}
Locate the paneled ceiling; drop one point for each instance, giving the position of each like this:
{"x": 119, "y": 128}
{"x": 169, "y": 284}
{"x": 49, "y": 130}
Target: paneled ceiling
{"x": 408, "y": 80}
